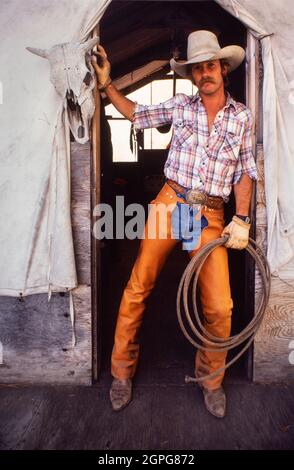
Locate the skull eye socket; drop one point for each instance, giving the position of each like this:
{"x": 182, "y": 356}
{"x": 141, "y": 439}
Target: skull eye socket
{"x": 71, "y": 100}
{"x": 72, "y": 106}
{"x": 87, "y": 79}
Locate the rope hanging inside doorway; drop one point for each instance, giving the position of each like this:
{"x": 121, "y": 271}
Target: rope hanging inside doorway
{"x": 205, "y": 340}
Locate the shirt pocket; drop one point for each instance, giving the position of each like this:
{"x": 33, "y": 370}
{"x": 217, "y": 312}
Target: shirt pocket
{"x": 230, "y": 148}
{"x": 227, "y": 158}
{"x": 183, "y": 133}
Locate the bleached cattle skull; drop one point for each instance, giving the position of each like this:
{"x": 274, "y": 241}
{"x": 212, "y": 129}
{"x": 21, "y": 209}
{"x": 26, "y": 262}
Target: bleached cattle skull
{"x": 73, "y": 77}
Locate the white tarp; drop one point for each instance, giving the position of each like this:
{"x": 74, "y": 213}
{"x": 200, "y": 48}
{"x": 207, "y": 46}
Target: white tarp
{"x": 273, "y": 22}
{"x": 36, "y": 252}
{"x": 36, "y": 236}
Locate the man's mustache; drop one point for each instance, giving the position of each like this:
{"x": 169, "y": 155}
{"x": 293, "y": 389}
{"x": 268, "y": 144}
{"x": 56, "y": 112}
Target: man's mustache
{"x": 206, "y": 80}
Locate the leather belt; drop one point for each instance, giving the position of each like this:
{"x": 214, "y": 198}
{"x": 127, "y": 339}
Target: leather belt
{"x": 194, "y": 196}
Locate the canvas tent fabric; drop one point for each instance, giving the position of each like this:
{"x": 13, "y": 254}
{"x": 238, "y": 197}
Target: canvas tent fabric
{"x": 36, "y": 239}
{"x": 37, "y": 252}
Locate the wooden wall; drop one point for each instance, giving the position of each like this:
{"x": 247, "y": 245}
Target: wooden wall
{"x": 272, "y": 347}
{"x": 37, "y": 334}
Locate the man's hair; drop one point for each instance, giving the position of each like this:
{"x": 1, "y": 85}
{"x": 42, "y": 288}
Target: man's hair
{"x": 223, "y": 62}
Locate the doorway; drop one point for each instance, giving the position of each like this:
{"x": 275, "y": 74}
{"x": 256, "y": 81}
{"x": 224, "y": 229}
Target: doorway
{"x": 135, "y": 35}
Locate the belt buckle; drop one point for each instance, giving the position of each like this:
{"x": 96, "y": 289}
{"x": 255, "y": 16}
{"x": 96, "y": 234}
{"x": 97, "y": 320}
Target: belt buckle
{"x": 194, "y": 196}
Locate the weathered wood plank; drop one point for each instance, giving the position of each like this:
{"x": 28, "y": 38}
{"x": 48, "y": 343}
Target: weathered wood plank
{"x": 81, "y": 212}
{"x": 37, "y": 339}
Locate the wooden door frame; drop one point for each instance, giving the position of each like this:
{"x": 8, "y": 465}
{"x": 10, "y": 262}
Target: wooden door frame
{"x": 252, "y": 101}
{"x": 253, "y": 82}
{"x": 95, "y": 192}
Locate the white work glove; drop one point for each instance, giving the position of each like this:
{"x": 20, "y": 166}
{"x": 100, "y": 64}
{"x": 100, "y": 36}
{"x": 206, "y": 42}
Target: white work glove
{"x": 238, "y": 231}
{"x": 102, "y": 69}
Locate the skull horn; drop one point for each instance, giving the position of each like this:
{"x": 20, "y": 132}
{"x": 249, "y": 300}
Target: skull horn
{"x": 41, "y": 52}
{"x": 88, "y": 45}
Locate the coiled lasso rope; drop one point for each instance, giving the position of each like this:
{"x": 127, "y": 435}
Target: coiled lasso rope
{"x": 207, "y": 341}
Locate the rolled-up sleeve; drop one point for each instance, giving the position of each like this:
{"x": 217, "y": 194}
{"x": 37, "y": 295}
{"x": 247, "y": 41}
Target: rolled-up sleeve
{"x": 156, "y": 115}
{"x": 246, "y": 163}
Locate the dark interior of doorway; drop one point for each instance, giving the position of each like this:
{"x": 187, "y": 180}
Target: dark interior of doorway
{"x": 166, "y": 356}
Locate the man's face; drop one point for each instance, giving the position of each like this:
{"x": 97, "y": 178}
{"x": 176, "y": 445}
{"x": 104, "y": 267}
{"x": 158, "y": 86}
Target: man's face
{"x": 208, "y": 76}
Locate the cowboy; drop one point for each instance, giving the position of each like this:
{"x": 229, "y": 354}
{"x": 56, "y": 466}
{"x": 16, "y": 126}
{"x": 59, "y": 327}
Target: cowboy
{"x": 210, "y": 152}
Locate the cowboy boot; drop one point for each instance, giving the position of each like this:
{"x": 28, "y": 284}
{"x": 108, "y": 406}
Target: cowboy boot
{"x": 120, "y": 393}
{"x": 215, "y": 401}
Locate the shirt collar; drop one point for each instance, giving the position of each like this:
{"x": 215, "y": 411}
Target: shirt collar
{"x": 230, "y": 100}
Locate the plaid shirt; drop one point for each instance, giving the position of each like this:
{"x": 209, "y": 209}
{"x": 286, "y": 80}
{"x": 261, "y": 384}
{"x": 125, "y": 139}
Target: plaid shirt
{"x": 208, "y": 162}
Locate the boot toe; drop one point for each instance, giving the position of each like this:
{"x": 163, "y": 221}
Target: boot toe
{"x": 215, "y": 402}
{"x": 120, "y": 393}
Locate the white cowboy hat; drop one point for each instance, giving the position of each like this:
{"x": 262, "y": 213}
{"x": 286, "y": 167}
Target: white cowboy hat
{"x": 202, "y": 46}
